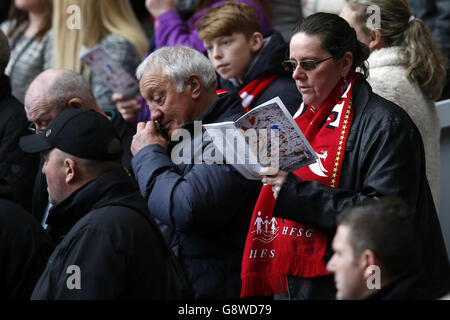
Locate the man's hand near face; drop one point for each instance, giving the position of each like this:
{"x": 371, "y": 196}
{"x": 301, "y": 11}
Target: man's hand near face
{"x": 146, "y": 135}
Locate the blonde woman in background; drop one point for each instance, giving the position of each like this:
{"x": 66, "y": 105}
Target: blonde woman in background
{"x": 28, "y": 31}
{"x": 406, "y": 67}
{"x": 111, "y": 24}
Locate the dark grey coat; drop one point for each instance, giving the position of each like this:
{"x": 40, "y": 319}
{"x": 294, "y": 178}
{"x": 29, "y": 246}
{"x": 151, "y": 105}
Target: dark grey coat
{"x": 203, "y": 210}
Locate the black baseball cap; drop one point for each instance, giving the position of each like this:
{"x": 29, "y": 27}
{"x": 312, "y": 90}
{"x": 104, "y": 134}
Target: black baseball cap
{"x": 82, "y": 133}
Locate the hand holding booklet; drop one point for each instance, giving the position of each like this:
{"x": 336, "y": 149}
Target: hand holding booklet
{"x": 114, "y": 75}
{"x": 265, "y": 136}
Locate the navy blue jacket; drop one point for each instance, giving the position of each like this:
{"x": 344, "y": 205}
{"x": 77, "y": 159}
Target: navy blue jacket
{"x": 268, "y": 61}
{"x": 203, "y": 210}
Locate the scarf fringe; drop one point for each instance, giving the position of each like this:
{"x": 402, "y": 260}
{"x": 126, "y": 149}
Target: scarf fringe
{"x": 298, "y": 267}
{"x": 258, "y": 284}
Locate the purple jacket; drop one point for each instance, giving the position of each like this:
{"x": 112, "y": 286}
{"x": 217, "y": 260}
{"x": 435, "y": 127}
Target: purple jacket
{"x": 170, "y": 29}
{"x": 144, "y": 113}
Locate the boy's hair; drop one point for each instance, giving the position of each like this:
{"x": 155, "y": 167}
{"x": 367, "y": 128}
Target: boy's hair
{"x": 228, "y": 18}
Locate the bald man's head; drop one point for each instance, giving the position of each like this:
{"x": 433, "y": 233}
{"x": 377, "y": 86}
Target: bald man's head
{"x": 54, "y": 91}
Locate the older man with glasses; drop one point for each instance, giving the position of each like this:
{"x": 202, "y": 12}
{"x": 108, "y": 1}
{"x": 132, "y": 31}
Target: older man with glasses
{"x": 52, "y": 92}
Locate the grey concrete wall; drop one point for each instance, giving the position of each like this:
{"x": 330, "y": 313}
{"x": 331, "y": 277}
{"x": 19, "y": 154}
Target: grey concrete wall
{"x": 444, "y": 211}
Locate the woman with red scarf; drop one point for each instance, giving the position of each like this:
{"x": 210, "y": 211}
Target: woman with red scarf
{"x": 367, "y": 147}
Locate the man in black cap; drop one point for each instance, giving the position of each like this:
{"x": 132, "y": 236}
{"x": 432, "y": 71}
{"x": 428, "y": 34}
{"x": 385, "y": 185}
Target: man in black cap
{"x": 52, "y": 92}
{"x": 109, "y": 246}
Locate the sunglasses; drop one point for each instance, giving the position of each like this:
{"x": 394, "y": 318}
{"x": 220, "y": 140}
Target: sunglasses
{"x": 307, "y": 65}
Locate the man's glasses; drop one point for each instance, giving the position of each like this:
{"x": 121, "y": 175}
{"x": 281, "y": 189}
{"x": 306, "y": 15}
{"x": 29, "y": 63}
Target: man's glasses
{"x": 32, "y": 128}
{"x": 307, "y": 65}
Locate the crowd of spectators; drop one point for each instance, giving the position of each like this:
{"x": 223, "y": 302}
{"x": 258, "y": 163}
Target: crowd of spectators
{"x": 94, "y": 205}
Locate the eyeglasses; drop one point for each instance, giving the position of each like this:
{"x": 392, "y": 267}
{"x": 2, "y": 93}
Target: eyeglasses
{"x": 32, "y": 128}
{"x": 307, "y": 65}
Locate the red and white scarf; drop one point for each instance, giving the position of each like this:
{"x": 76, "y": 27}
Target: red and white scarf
{"x": 278, "y": 247}
{"x": 253, "y": 90}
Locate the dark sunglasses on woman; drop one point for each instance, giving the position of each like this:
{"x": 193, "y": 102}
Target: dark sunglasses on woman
{"x": 307, "y": 65}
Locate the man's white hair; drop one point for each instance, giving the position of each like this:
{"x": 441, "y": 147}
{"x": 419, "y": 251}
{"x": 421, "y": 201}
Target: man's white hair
{"x": 4, "y": 52}
{"x": 179, "y": 63}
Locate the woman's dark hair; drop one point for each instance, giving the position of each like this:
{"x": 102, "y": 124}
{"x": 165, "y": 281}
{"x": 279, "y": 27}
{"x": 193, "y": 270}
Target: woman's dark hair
{"x": 337, "y": 37}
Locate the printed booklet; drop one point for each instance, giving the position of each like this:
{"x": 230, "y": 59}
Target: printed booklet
{"x": 116, "y": 77}
{"x": 265, "y": 136}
